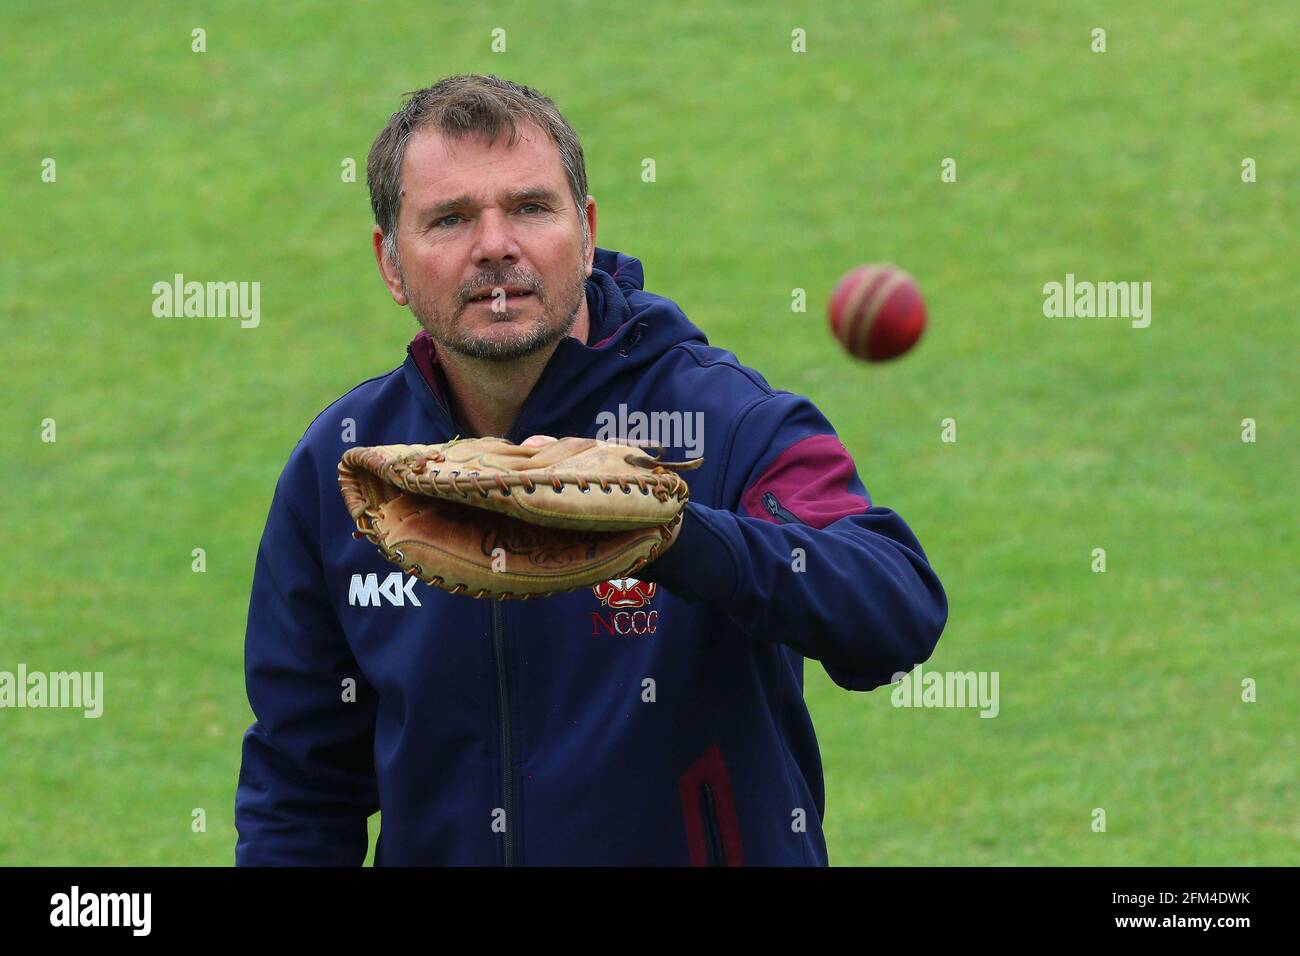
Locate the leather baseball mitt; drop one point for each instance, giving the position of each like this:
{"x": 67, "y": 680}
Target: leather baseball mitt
{"x": 489, "y": 518}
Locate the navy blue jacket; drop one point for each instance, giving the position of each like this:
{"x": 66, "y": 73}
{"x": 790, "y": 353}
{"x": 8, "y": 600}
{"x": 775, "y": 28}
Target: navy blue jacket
{"x": 658, "y": 721}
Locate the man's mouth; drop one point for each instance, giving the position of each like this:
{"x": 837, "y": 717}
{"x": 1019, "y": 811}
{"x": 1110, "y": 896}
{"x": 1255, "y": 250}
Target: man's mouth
{"x": 514, "y": 294}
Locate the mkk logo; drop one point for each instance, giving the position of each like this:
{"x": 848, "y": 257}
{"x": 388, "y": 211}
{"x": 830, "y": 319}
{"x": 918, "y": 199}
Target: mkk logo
{"x": 624, "y": 594}
{"x": 396, "y": 590}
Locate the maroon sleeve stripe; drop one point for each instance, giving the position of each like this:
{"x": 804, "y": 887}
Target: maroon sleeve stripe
{"x": 814, "y": 479}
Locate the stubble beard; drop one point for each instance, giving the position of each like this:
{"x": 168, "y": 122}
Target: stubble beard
{"x": 449, "y": 333}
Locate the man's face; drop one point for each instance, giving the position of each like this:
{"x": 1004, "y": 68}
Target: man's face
{"x": 477, "y": 217}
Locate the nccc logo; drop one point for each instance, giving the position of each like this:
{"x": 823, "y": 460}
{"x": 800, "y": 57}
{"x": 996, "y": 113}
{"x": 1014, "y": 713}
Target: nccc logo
{"x": 625, "y": 594}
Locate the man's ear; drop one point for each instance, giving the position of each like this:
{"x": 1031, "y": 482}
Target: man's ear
{"x": 387, "y": 268}
{"x": 591, "y": 226}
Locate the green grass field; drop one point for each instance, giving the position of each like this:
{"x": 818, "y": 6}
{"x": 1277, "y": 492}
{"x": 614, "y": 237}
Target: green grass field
{"x": 775, "y": 170}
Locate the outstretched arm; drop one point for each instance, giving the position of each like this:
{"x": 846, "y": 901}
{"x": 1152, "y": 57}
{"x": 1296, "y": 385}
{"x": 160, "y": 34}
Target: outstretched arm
{"x": 805, "y": 559}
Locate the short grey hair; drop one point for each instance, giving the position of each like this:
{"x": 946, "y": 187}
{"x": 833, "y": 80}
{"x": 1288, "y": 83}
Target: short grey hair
{"x": 463, "y": 106}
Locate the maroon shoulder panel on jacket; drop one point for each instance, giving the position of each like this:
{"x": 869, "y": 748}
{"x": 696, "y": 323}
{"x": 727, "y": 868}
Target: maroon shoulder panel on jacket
{"x": 814, "y": 480}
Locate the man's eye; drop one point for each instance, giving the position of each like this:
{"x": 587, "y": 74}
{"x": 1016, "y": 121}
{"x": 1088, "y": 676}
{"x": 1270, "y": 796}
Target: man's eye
{"x": 538, "y": 206}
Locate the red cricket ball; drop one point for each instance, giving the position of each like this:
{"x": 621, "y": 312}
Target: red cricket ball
{"x": 876, "y": 312}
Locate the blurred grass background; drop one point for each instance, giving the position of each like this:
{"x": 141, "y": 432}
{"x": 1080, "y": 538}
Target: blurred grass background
{"x": 776, "y": 170}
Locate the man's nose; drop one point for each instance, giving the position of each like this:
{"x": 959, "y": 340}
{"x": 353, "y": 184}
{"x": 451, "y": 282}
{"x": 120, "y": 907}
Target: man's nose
{"x": 494, "y": 240}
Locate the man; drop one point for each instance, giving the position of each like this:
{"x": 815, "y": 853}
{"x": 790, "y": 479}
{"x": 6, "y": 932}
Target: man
{"x": 655, "y": 721}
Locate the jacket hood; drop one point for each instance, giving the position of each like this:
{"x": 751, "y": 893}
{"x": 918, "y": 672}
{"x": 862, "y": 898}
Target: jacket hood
{"x": 630, "y": 329}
